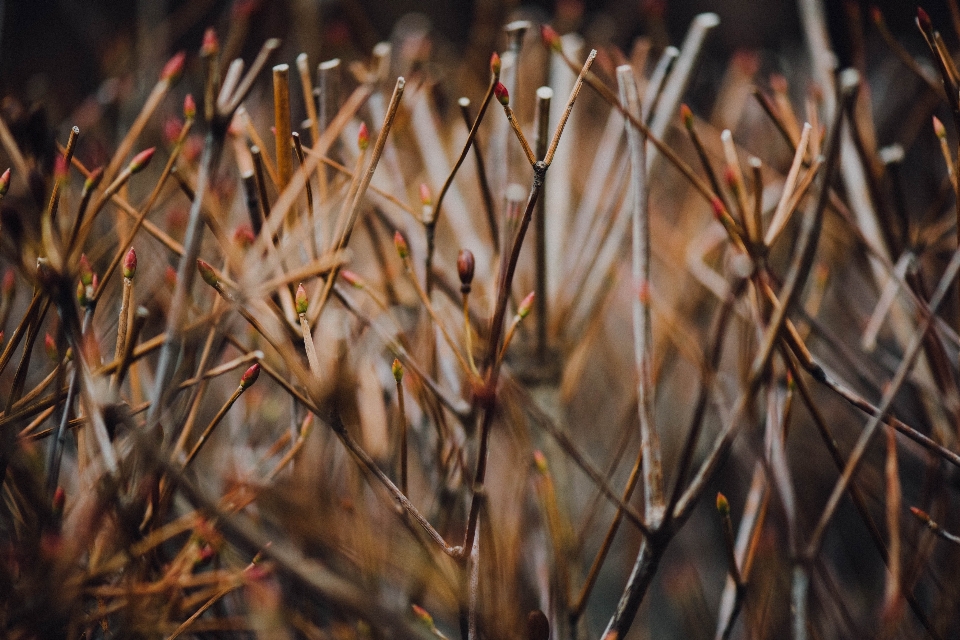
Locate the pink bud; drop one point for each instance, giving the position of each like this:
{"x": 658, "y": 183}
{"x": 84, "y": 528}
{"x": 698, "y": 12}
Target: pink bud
{"x": 938, "y": 128}
{"x": 301, "y": 302}
{"x": 174, "y": 67}
{"x": 211, "y": 45}
{"x": 86, "y": 272}
{"x": 141, "y": 160}
{"x": 352, "y": 279}
{"x": 244, "y": 236}
{"x": 401, "y": 244}
{"x": 540, "y": 462}
{"x": 526, "y": 305}
{"x": 425, "y": 198}
{"x": 93, "y": 181}
{"x": 50, "y": 346}
{"x": 171, "y": 129}
{"x": 250, "y": 376}
{"x": 363, "y": 137}
{"x": 4, "y": 183}
{"x": 550, "y": 38}
{"x": 60, "y": 168}
{"x": 495, "y": 65}
{"x": 189, "y": 107}
{"x": 130, "y": 264}
{"x": 208, "y": 274}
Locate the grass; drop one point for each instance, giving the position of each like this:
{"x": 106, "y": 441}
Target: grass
{"x": 326, "y": 437}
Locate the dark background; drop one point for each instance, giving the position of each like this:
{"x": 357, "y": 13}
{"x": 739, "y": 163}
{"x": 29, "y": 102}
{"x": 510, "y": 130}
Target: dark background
{"x": 62, "y": 50}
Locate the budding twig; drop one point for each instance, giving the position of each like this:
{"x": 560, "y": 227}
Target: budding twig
{"x": 923, "y": 517}
{"x": 246, "y": 381}
{"x": 397, "y": 370}
{"x": 464, "y": 104}
{"x": 298, "y": 147}
{"x": 362, "y": 187}
{"x": 642, "y": 325}
{"x": 308, "y": 345}
{"x": 522, "y": 312}
{"x": 129, "y": 271}
{"x": 403, "y": 251}
{"x": 723, "y": 508}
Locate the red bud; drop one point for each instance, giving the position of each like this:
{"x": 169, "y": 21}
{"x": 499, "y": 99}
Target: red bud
{"x": 363, "y": 137}
{"x": 50, "y": 346}
{"x": 503, "y": 96}
{"x": 465, "y": 266}
{"x": 923, "y": 19}
{"x": 550, "y": 37}
{"x": 540, "y": 462}
{"x": 250, "y": 376}
{"x": 718, "y": 208}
